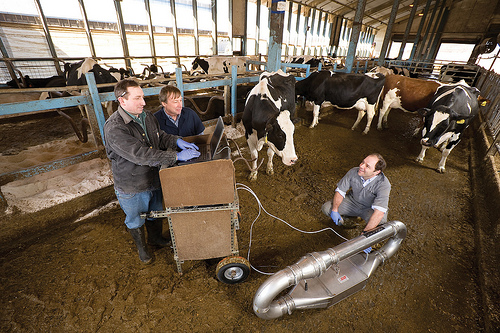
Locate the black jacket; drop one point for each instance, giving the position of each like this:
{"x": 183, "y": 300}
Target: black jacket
{"x": 135, "y": 159}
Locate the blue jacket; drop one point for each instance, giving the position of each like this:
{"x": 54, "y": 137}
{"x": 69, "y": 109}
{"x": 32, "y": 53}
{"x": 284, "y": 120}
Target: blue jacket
{"x": 189, "y": 123}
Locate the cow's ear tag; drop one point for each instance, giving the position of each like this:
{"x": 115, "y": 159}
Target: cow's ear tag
{"x": 461, "y": 121}
{"x": 483, "y": 103}
{"x": 265, "y": 139}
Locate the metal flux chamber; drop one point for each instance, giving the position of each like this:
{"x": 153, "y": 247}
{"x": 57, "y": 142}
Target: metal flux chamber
{"x": 321, "y": 279}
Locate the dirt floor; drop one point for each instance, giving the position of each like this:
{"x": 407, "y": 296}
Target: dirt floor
{"x": 85, "y": 275}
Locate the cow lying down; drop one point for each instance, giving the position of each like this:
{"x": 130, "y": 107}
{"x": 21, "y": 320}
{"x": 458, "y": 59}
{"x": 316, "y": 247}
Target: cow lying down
{"x": 267, "y": 119}
{"x": 451, "y": 110}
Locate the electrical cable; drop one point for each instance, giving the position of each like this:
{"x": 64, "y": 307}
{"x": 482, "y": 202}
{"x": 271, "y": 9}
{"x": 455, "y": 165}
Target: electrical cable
{"x": 240, "y": 186}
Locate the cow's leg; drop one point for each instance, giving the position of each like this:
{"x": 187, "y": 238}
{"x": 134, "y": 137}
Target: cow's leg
{"x": 270, "y": 155}
{"x": 361, "y": 114}
{"x": 421, "y": 156}
{"x": 370, "y": 113}
{"x": 315, "y": 115}
{"x": 442, "y": 163}
{"x": 385, "y": 123}
{"x": 254, "y": 154}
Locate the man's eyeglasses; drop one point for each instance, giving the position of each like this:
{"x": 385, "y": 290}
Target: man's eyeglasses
{"x": 123, "y": 94}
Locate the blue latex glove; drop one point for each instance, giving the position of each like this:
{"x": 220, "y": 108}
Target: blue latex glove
{"x": 187, "y": 154}
{"x": 336, "y": 217}
{"x": 186, "y": 145}
{"x": 368, "y": 250}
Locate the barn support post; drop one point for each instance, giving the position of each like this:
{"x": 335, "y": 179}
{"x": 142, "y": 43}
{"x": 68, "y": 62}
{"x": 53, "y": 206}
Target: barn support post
{"x": 437, "y": 36}
{"x": 416, "y": 41}
{"x": 335, "y": 29}
{"x": 320, "y": 16}
{"x": 307, "y": 13}
{"x": 257, "y": 28}
{"x": 297, "y": 29}
{"x": 48, "y": 38}
{"x": 87, "y": 28}
{"x": 230, "y": 30}
{"x": 278, "y": 8}
{"x": 421, "y": 47}
{"x": 311, "y": 33}
{"x": 94, "y": 110}
{"x": 174, "y": 33}
{"x": 214, "y": 28}
{"x": 289, "y": 26}
{"x": 178, "y": 81}
{"x": 8, "y": 63}
{"x": 151, "y": 32}
{"x": 388, "y": 33}
{"x": 234, "y": 78}
{"x": 123, "y": 34}
{"x": 325, "y": 18}
{"x": 433, "y": 35}
{"x": 356, "y": 29}
{"x": 407, "y": 31}
{"x": 194, "y": 4}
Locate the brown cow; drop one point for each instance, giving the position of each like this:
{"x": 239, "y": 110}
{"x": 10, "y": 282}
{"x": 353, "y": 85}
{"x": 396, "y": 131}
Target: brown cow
{"x": 405, "y": 93}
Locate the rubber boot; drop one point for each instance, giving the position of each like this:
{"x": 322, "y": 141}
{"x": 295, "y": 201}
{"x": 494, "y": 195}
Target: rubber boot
{"x": 140, "y": 241}
{"x": 155, "y": 237}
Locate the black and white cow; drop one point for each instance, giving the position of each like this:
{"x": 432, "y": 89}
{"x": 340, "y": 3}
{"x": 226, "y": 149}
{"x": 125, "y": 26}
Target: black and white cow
{"x": 75, "y": 74}
{"x": 219, "y": 65}
{"x": 304, "y": 59}
{"x": 27, "y": 82}
{"x": 451, "y": 110}
{"x": 267, "y": 119}
{"x": 344, "y": 91}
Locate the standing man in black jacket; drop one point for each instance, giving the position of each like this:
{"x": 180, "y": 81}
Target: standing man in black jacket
{"x": 137, "y": 148}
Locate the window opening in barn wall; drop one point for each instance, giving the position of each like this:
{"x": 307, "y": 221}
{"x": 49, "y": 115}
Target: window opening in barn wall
{"x": 394, "y": 50}
{"x": 459, "y": 52}
{"x": 264, "y": 28}
{"x": 485, "y": 60}
{"x": 224, "y": 44}
{"x": 161, "y": 19}
{"x": 251, "y": 27}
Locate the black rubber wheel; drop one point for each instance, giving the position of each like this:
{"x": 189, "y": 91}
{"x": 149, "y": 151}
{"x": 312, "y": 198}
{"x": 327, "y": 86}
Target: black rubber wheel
{"x": 232, "y": 270}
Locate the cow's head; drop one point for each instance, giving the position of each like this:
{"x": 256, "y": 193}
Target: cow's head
{"x": 441, "y": 125}
{"x": 198, "y": 62}
{"x": 279, "y": 136}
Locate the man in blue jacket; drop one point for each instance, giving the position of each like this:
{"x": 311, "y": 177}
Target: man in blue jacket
{"x": 174, "y": 118}
{"x": 137, "y": 148}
